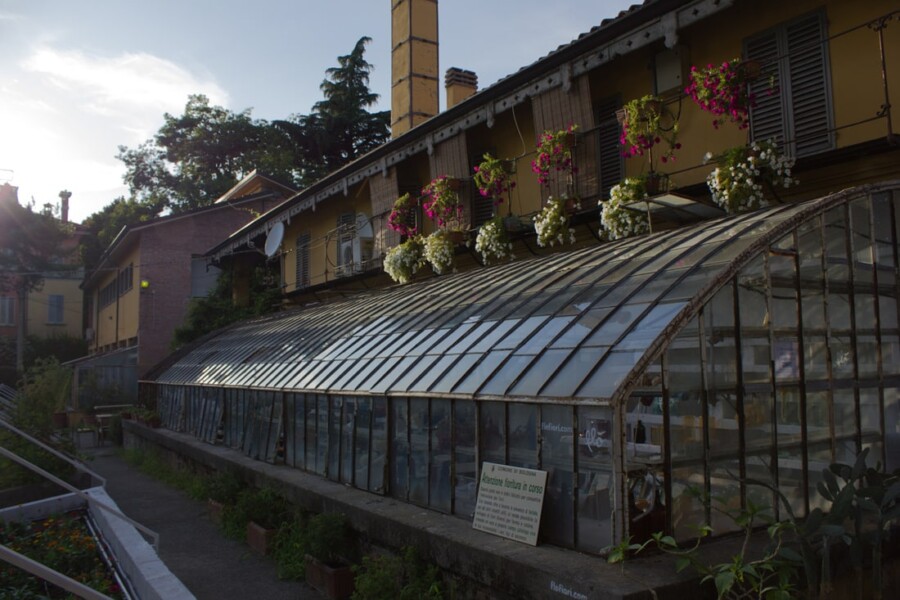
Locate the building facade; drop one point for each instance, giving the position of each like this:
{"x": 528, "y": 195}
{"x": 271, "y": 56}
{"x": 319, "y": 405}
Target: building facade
{"x": 712, "y": 351}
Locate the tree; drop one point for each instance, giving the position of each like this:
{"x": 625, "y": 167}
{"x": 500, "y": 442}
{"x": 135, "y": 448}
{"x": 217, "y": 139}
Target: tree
{"x": 339, "y": 129}
{"x": 198, "y": 156}
{"x": 106, "y": 224}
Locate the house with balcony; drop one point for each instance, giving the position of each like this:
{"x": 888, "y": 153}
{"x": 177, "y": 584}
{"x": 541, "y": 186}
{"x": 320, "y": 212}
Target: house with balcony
{"x": 141, "y": 287}
{"x": 711, "y": 344}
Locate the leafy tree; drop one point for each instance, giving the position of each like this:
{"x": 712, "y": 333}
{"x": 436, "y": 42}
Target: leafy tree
{"x": 218, "y": 309}
{"x": 198, "y": 156}
{"x": 106, "y": 224}
{"x": 29, "y": 242}
{"x": 340, "y": 128}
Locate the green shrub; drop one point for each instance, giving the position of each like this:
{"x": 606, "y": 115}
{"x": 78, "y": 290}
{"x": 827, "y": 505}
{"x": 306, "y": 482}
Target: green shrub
{"x": 403, "y": 577}
{"x": 329, "y": 539}
{"x": 290, "y": 556}
{"x": 13, "y": 475}
{"x": 43, "y": 390}
{"x": 224, "y": 487}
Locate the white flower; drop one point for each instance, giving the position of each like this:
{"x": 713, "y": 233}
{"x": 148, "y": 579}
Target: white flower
{"x": 439, "y": 252}
{"x": 401, "y": 262}
{"x": 552, "y": 223}
{"x": 493, "y": 243}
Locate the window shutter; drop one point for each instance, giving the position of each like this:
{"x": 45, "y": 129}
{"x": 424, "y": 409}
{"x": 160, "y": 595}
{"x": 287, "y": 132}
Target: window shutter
{"x": 807, "y": 60}
{"x": 302, "y": 268}
{"x": 798, "y": 114}
{"x": 767, "y": 117}
{"x": 345, "y": 236}
{"x": 55, "y": 308}
{"x": 609, "y": 150}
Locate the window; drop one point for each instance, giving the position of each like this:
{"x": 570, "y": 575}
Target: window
{"x": 7, "y": 310}
{"x": 346, "y": 233}
{"x": 126, "y": 279}
{"x": 55, "y": 309}
{"x": 798, "y": 115}
{"x": 609, "y": 151}
{"x": 302, "y": 270}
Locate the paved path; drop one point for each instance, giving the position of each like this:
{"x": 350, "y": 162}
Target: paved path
{"x": 212, "y": 566}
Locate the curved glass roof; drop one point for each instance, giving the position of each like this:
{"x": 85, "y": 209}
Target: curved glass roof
{"x": 571, "y": 325}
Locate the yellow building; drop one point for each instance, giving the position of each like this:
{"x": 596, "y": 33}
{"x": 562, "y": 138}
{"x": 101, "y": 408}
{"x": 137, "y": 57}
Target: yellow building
{"x": 709, "y": 351}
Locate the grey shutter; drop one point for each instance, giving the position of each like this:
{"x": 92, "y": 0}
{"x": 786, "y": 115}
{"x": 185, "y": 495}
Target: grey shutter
{"x": 302, "y": 268}
{"x": 767, "y": 118}
{"x": 609, "y": 150}
{"x": 345, "y": 236}
{"x": 795, "y": 56}
{"x": 807, "y": 63}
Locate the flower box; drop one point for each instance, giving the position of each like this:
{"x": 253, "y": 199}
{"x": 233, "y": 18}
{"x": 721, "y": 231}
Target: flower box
{"x": 260, "y": 539}
{"x": 336, "y": 582}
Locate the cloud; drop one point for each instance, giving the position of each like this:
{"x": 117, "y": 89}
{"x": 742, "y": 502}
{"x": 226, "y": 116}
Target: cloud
{"x": 121, "y": 85}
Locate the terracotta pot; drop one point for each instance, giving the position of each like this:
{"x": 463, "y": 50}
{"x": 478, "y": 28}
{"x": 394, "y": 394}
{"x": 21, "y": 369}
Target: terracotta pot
{"x": 334, "y": 582}
{"x": 656, "y": 183}
{"x": 751, "y": 69}
{"x": 60, "y": 420}
{"x": 453, "y": 183}
{"x": 457, "y": 237}
{"x": 260, "y": 539}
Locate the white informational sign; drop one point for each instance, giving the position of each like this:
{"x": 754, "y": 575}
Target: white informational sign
{"x": 510, "y": 501}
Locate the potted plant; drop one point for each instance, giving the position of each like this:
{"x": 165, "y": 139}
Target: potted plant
{"x": 554, "y": 154}
{"x": 402, "y": 218}
{"x": 328, "y": 548}
{"x": 748, "y": 176}
{"x": 552, "y": 223}
{"x": 492, "y": 177}
{"x": 647, "y": 123}
{"x": 438, "y": 250}
{"x": 441, "y": 204}
{"x": 724, "y": 90}
{"x": 266, "y": 511}
{"x": 617, "y": 220}
{"x": 493, "y": 242}
{"x": 403, "y": 261}
{"x": 221, "y": 489}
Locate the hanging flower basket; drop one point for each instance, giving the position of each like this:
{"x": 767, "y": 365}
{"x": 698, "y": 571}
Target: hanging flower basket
{"x": 403, "y": 218}
{"x": 656, "y": 183}
{"x": 646, "y": 124}
{"x": 552, "y": 224}
{"x": 748, "y": 177}
{"x": 554, "y": 154}
{"x": 617, "y": 220}
{"x": 439, "y": 251}
{"x": 492, "y": 178}
{"x": 724, "y": 90}
{"x": 441, "y": 204}
{"x": 403, "y": 261}
{"x": 493, "y": 242}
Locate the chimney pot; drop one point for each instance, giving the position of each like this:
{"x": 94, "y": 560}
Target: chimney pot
{"x": 460, "y": 84}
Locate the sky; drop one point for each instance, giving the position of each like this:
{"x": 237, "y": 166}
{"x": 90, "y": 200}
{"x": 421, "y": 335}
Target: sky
{"x": 78, "y": 79}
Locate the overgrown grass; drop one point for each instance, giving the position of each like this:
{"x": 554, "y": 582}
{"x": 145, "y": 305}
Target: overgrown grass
{"x": 193, "y": 484}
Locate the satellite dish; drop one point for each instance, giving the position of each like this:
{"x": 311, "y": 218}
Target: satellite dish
{"x": 363, "y": 226}
{"x": 273, "y": 240}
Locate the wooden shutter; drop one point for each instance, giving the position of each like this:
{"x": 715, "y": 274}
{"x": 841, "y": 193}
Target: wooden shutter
{"x": 450, "y": 158}
{"x": 810, "y": 106}
{"x": 609, "y": 150}
{"x": 302, "y": 254}
{"x": 383, "y": 191}
{"x": 798, "y": 115}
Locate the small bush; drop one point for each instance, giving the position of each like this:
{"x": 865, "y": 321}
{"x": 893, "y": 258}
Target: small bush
{"x": 403, "y": 577}
{"x": 224, "y": 487}
{"x": 290, "y": 556}
{"x": 329, "y": 539}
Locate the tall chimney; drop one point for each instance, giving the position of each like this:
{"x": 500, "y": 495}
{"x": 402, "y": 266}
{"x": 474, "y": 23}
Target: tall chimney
{"x": 64, "y": 205}
{"x": 460, "y": 84}
{"x": 414, "y": 63}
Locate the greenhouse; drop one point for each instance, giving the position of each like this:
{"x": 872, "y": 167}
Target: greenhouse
{"x": 641, "y": 374}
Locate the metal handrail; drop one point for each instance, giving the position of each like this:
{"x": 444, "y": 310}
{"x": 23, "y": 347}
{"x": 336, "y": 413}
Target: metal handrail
{"x": 47, "y": 574}
{"x": 81, "y": 494}
{"x": 61, "y": 455}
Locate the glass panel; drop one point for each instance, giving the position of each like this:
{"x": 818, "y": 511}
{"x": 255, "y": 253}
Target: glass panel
{"x": 612, "y": 372}
{"x": 446, "y": 383}
{"x": 573, "y": 372}
{"x": 379, "y": 445}
{"x": 892, "y": 428}
{"x": 309, "y": 448}
{"x": 419, "y": 366}
{"x": 620, "y": 320}
{"x": 363, "y": 425}
{"x": 492, "y": 425}
{"x": 334, "y": 439}
{"x": 819, "y": 460}
{"x": 688, "y": 510}
{"x": 466, "y": 487}
{"x": 536, "y": 375}
{"x": 594, "y": 478}
{"x": 418, "y": 450}
{"x": 557, "y": 458}
{"x": 494, "y": 334}
{"x": 818, "y": 416}
{"x": 506, "y": 375}
{"x": 399, "y": 449}
{"x": 544, "y": 336}
{"x": 844, "y": 412}
{"x": 685, "y": 389}
{"x": 439, "y": 471}
{"x": 650, "y": 326}
{"x": 322, "y": 438}
{"x": 867, "y": 355}
{"x": 523, "y": 439}
{"x": 870, "y": 412}
{"x": 482, "y": 371}
{"x": 759, "y": 439}
{"x": 725, "y": 494}
{"x": 790, "y": 449}
{"x": 520, "y": 333}
{"x": 348, "y": 425}
{"x": 754, "y": 318}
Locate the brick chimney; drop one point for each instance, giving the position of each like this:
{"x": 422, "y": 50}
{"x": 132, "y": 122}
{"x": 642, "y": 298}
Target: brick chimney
{"x": 414, "y": 63}
{"x": 460, "y": 84}
{"x": 64, "y": 205}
